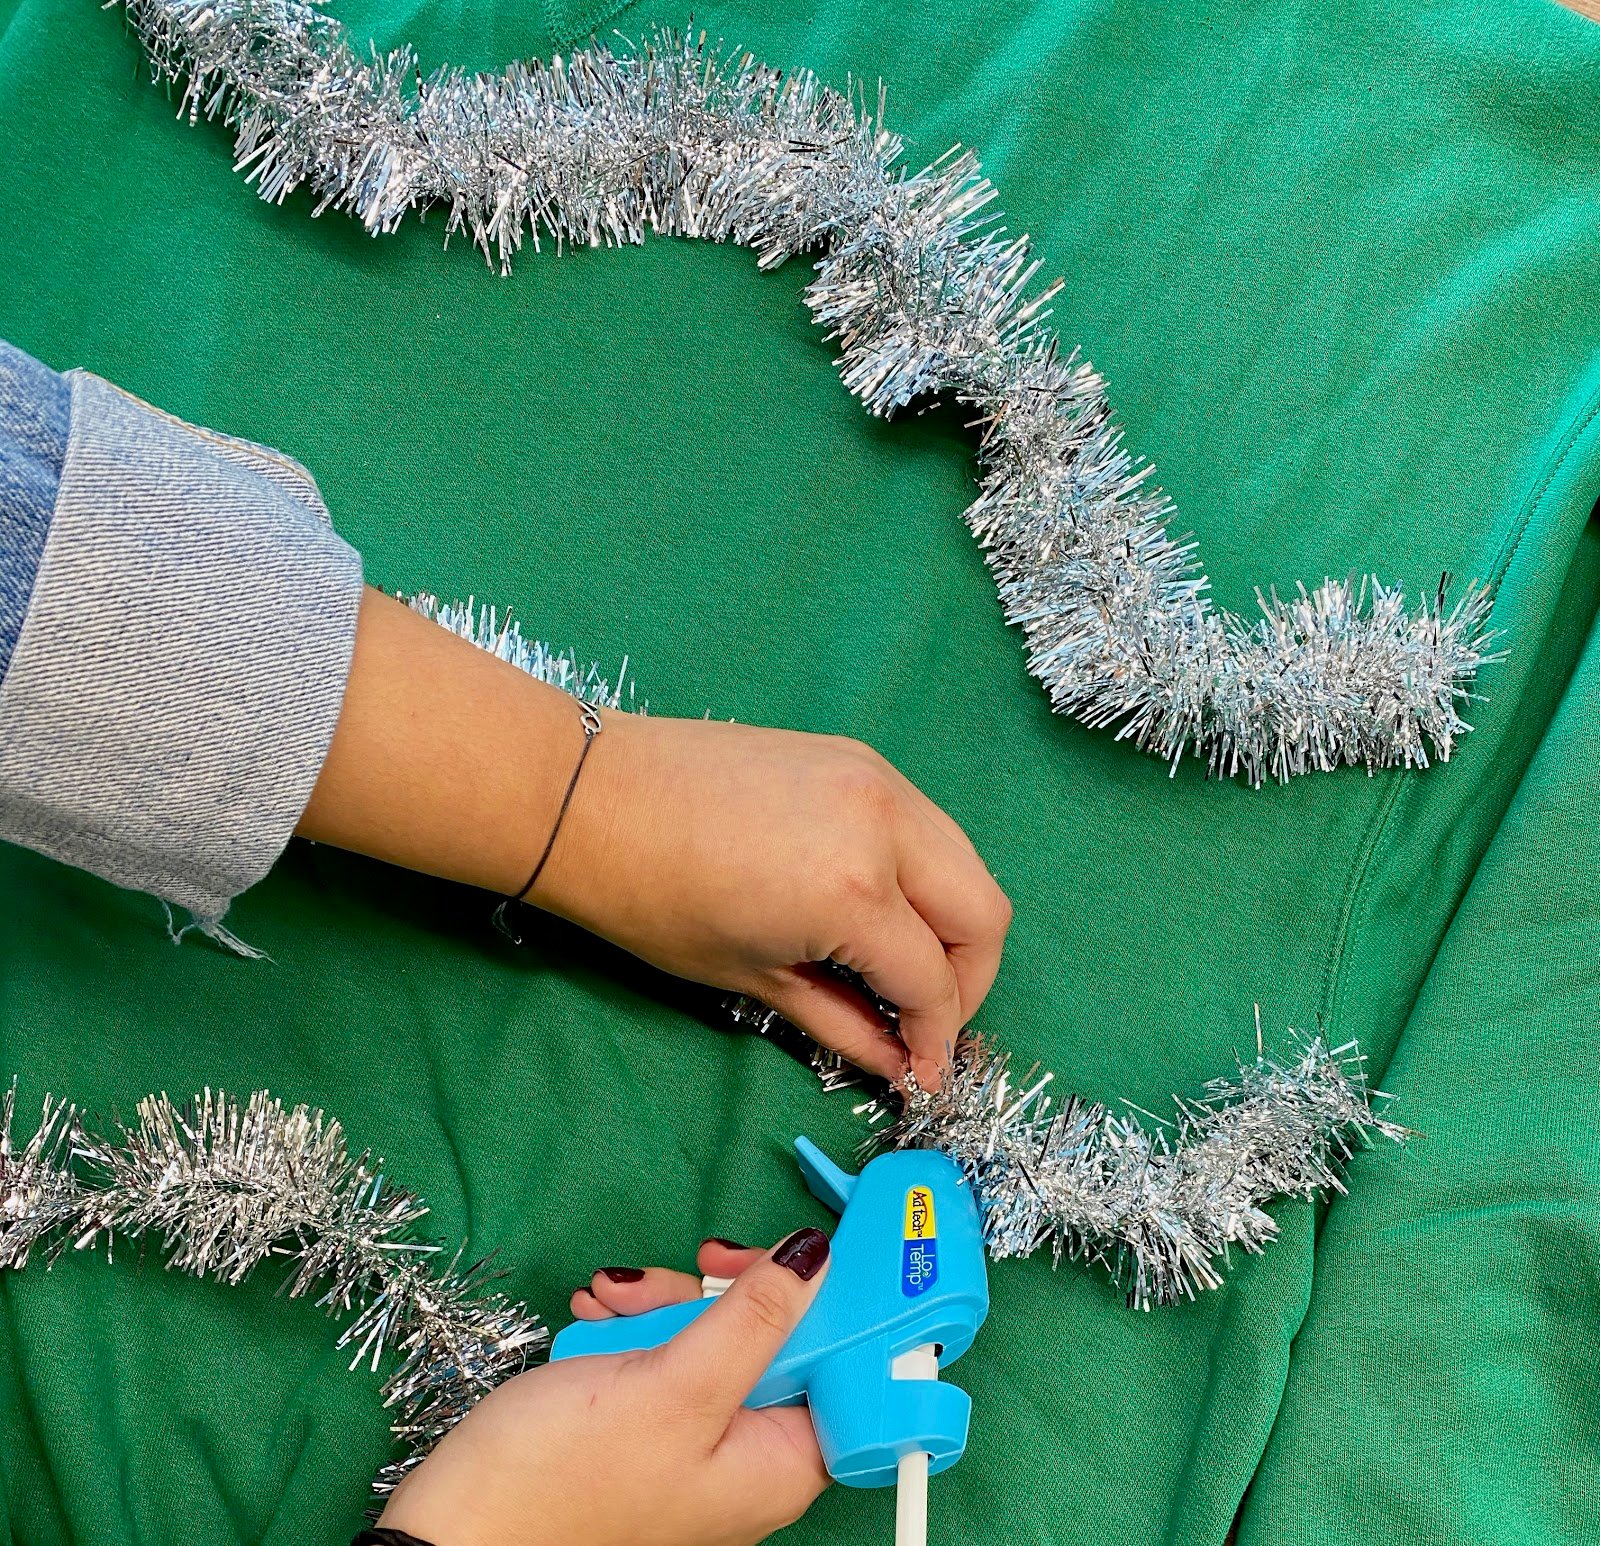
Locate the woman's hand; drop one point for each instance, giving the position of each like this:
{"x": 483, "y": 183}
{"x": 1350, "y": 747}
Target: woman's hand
{"x": 638, "y": 1449}
{"x": 733, "y": 855}
{"x": 741, "y": 857}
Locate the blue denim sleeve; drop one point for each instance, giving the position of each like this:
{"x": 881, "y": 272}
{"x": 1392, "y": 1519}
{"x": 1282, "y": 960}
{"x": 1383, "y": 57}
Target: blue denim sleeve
{"x": 179, "y": 615}
{"x": 34, "y": 414}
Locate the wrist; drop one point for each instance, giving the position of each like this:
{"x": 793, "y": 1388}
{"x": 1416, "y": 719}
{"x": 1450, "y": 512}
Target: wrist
{"x": 572, "y": 881}
{"x": 445, "y": 760}
{"x": 590, "y": 724}
{"x": 465, "y": 1511}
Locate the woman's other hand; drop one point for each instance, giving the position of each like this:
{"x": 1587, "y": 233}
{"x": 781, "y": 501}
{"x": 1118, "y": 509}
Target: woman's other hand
{"x": 651, "y": 1448}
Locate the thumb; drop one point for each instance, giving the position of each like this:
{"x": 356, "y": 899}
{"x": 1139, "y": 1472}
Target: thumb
{"x": 717, "y": 1359}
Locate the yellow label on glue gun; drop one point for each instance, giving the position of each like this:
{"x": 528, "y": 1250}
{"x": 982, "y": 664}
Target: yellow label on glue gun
{"x": 919, "y": 1257}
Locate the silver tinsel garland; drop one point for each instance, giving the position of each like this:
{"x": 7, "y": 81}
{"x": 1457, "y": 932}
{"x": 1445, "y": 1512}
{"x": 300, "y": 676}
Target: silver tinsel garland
{"x": 926, "y": 293}
{"x": 1159, "y": 1206}
{"x": 223, "y": 1186}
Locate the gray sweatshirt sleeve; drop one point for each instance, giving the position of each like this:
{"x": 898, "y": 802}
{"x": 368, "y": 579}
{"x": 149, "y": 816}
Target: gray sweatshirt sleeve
{"x": 178, "y": 674}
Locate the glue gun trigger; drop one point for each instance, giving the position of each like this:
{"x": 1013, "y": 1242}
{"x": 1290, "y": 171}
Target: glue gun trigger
{"x": 828, "y": 1183}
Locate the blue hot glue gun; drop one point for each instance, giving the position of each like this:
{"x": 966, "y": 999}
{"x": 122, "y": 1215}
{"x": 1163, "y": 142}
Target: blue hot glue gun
{"x": 905, "y": 1293}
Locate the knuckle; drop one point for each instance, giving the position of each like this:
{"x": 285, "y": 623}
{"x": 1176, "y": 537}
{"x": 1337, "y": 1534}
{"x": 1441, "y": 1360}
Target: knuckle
{"x": 860, "y": 882}
{"x": 765, "y": 986}
{"x": 679, "y": 1395}
{"x": 873, "y": 1053}
{"x": 652, "y": 1368}
{"x": 943, "y": 999}
{"x": 766, "y": 1304}
{"x": 866, "y": 787}
{"x": 951, "y": 1001}
{"x": 689, "y": 1406}
{"x": 854, "y": 749}
{"x": 856, "y": 1043}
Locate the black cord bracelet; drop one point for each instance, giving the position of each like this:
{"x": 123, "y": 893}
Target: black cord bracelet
{"x": 378, "y": 1536}
{"x": 592, "y": 727}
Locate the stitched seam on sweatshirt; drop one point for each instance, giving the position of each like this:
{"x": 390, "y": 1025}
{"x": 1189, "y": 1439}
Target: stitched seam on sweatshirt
{"x": 580, "y": 30}
{"x": 1349, "y": 933}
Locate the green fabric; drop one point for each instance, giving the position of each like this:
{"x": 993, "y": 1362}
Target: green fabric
{"x": 1341, "y": 265}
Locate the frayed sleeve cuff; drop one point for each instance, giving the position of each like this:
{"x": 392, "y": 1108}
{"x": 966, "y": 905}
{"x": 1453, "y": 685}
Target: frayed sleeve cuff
{"x": 183, "y": 660}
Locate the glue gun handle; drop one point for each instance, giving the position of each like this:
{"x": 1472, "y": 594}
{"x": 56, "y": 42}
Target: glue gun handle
{"x": 627, "y": 1333}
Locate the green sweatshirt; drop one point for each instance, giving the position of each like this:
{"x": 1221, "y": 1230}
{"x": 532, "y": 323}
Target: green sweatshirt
{"x": 1341, "y": 267}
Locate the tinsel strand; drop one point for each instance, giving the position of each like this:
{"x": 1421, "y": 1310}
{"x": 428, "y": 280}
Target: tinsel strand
{"x": 499, "y": 635}
{"x": 224, "y": 1186}
{"x": 40, "y": 1195}
{"x": 1160, "y": 1206}
{"x": 925, "y": 292}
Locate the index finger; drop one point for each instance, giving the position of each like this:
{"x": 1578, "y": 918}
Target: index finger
{"x": 905, "y": 962}
{"x": 956, "y": 896}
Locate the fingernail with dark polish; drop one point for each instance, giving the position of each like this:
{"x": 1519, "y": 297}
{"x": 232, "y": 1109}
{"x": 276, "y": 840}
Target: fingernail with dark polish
{"x": 727, "y": 1245}
{"x": 803, "y": 1253}
{"x": 623, "y": 1274}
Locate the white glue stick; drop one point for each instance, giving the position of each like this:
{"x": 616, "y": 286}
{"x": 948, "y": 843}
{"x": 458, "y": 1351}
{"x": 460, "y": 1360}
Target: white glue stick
{"x": 911, "y": 1489}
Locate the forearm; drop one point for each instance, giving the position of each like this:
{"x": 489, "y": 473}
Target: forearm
{"x": 445, "y": 759}
{"x": 200, "y": 670}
